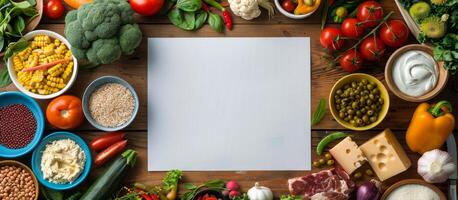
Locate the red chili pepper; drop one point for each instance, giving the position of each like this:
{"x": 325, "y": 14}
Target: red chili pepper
{"x": 143, "y": 195}
{"x": 154, "y": 197}
{"x": 227, "y": 19}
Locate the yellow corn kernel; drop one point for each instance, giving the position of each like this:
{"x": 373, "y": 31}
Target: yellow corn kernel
{"x": 42, "y": 59}
{"x": 37, "y": 76}
{"x": 57, "y": 42}
{"x": 68, "y": 71}
{"x": 54, "y": 57}
{"x": 24, "y": 54}
{"x": 55, "y": 79}
{"x": 32, "y": 61}
{"x": 61, "y": 49}
{"x": 17, "y": 63}
{"x": 49, "y": 49}
{"x": 40, "y": 41}
{"x": 56, "y": 70}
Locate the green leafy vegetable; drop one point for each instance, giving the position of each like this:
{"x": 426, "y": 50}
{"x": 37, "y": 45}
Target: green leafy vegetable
{"x": 182, "y": 19}
{"x": 171, "y": 179}
{"x": 189, "y": 5}
{"x": 212, "y": 184}
{"x": 319, "y": 112}
{"x": 215, "y": 21}
{"x": 4, "y": 77}
{"x": 244, "y": 196}
{"x": 201, "y": 18}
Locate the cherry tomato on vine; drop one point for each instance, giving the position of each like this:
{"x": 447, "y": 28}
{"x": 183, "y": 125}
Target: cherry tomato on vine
{"x": 372, "y": 48}
{"x": 288, "y": 5}
{"x": 352, "y": 28}
{"x": 331, "y": 38}
{"x": 369, "y": 13}
{"x": 54, "y": 9}
{"x": 394, "y": 33}
{"x": 351, "y": 61}
{"x": 146, "y": 7}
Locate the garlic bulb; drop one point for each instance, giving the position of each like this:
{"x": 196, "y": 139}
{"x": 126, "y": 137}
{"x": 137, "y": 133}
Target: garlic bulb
{"x": 435, "y": 166}
{"x": 260, "y": 193}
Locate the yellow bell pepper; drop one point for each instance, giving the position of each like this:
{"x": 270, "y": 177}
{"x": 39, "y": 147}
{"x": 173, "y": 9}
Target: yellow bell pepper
{"x": 430, "y": 126}
{"x": 302, "y": 8}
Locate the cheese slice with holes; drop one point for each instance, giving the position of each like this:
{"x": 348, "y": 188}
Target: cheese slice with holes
{"x": 385, "y": 155}
{"x": 348, "y": 155}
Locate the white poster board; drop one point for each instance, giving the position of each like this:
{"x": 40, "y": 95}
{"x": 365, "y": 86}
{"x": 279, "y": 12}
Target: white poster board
{"x": 220, "y": 104}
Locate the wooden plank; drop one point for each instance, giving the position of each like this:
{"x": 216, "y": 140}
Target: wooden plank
{"x": 134, "y": 70}
{"x": 277, "y": 180}
{"x": 388, "y": 5}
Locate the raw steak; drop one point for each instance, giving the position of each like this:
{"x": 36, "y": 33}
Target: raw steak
{"x": 333, "y": 184}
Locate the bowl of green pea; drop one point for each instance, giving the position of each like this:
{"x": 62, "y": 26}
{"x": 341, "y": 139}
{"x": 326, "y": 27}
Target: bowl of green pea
{"x": 359, "y": 101}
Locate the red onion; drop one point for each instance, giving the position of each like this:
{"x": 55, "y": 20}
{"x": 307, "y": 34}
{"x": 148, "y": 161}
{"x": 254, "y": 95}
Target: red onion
{"x": 369, "y": 190}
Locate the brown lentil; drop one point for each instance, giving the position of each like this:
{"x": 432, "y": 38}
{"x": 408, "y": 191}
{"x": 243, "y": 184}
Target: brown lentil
{"x": 16, "y": 183}
{"x": 17, "y": 126}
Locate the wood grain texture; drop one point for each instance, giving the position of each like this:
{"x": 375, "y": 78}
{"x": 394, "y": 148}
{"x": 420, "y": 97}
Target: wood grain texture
{"x": 134, "y": 69}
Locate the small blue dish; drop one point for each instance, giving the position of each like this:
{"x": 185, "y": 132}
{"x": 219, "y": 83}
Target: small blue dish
{"x": 96, "y": 84}
{"x": 38, "y": 153}
{"x": 8, "y": 98}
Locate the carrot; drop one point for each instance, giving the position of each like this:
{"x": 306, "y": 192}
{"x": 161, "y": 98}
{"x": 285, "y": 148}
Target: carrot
{"x": 47, "y": 65}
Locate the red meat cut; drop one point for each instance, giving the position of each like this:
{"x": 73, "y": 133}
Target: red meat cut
{"x": 333, "y": 184}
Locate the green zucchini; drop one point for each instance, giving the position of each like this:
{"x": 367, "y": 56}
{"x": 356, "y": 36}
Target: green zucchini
{"x": 107, "y": 183}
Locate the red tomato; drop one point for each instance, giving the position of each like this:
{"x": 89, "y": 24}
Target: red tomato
{"x": 288, "y": 5}
{"x": 146, "y": 7}
{"x": 369, "y": 13}
{"x": 351, "y": 61}
{"x": 352, "y": 28}
{"x": 331, "y": 39}
{"x": 54, "y": 9}
{"x": 110, "y": 152}
{"x": 372, "y": 48}
{"x": 104, "y": 141}
{"x": 65, "y": 112}
{"x": 394, "y": 33}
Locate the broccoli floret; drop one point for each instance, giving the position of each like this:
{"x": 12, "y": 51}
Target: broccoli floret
{"x": 130, "y": 37}
{"x": 101, "y": 31}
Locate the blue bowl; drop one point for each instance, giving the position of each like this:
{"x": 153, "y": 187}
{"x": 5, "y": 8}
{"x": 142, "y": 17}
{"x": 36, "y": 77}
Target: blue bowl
{"x": 96, "y": 84}
{"x": 37, "y": 154}
{"x": 8, "y": 98}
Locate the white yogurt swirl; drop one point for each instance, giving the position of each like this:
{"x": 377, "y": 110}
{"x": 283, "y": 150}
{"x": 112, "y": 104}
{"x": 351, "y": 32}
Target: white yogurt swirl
{"x": 415, "y": 73}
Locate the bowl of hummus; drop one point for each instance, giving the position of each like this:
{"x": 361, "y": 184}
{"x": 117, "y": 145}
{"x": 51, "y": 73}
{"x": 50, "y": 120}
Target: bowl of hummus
{"x": 414, "y": 75}
{"x": 61, "y": 161}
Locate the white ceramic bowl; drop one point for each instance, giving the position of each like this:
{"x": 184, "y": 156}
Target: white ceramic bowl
{"x": 13, "y": 75}
{"x": 291, "y": 15}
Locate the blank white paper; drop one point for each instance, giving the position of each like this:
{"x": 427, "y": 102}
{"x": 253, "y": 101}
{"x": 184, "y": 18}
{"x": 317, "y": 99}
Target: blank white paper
{"x": 229, "y": 104}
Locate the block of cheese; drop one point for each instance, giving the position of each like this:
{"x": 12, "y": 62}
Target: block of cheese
{"x": 348, "y": 155}
{"x": 385, "y": 155}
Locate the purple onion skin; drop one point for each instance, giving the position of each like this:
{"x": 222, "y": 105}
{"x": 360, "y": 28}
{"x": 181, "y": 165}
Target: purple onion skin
{"x": 368, "y": 191}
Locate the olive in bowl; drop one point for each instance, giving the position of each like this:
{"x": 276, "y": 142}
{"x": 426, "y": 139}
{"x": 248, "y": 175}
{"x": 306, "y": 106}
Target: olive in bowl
{"x": 359, "y": 101}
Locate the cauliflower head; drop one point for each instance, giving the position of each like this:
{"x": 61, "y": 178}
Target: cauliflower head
{"x": 101, "y": 31}
{"x": 246, "y": 9}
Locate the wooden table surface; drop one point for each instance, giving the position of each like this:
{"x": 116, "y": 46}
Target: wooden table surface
{"x": 133, "y": 69}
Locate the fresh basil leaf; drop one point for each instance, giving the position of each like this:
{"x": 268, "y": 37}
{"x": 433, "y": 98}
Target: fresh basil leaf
{"x": 19, "y": 24}
{"x": 32, "y": 2}
{"x": 189, "y": 5}
{"x": 30, "y": 12}
{"x": 215, "y": 21}
{"x": 201, "y": 18}
{"x": 5, "y": 79}
{"x": 15, "y": 47}
{"x": 214, "y": 184}
{"x": 21, "y": 4}
{"x": 319, "y": 112}
{"x": 166, "y": 7}
{"x": 181, "y": 19}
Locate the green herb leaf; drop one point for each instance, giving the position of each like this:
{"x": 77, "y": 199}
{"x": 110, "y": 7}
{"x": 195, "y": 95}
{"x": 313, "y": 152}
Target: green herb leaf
{"x": 5, "y": 79}
{"x": 201, "y": 18}
{"x": 319, "y": 112}
{"x": 190, "y": 186}
{"x": 215, "y": 21}
{"x": 15, "y": 47}
{"x": 244, "y": 196}
{"x": 21, "y": 4}
{"x": 19, "y": 25}
{"x": 181, "y": 19}
{"x": 214, "y": 184}
{"x": 166, "y": 7}
{"x": 189, "y": 5}
{"x": 187, "y": 196}
{"x": 171, "y": 179}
